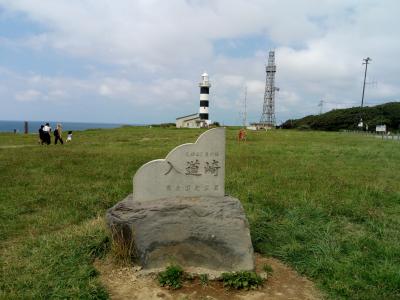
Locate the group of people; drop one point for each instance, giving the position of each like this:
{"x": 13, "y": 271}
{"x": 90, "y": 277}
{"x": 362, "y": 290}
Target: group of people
{"x": 45, "y": 135}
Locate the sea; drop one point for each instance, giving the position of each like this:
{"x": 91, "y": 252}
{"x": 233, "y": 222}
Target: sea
{"x": 33, "y": 126}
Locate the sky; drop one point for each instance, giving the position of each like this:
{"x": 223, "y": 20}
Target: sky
{"x": 139, "y": 62}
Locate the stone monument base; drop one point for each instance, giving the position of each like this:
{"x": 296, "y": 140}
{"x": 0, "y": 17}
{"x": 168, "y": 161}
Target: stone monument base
{"x": 205, "y": 232}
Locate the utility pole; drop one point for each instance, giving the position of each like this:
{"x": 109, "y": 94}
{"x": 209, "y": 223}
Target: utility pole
{"x": 366, "y": 62}
{"x": 320, "y": 104}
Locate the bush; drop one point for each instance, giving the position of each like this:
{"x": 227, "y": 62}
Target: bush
{"x": 304, "y": 127}
{"x": 164, "y": 125}
{"x": 242, "y": 280}
{"x": 171, "y": 277}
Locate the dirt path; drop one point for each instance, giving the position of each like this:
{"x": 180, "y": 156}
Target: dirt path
{"x": 284, "y": 283}
{"x": 16, "y": 146}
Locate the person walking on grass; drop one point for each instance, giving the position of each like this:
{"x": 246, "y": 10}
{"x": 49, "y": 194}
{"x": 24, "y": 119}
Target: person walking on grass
{"x": 46, "y": 133}
{"x": 58, "y": 135}
{"x": 41, "y": 135}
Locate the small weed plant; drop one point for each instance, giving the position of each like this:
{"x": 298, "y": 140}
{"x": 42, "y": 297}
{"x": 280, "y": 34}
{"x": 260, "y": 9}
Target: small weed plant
{"x": 171, "y": 277}
{"x": 204, "y": 279}
{"x": 268, "y": 269}
{"x": 242, "y": 280}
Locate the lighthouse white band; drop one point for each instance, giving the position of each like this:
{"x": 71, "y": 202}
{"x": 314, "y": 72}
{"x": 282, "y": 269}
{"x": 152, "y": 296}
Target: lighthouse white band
{"x": 203, "y": 96}
{"x": 203, "y": 110}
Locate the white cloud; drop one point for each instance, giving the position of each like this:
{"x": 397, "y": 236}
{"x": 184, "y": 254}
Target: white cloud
{"x": 116, "y": 87}
{"x": 231, "y": 80}
{"x": 39, "y": 92}
{"x": 105, "y": 90}
{"x": 157, "y": 50}
{"x": 57, "y": 93}
{"x": 163, "y": 33}
{"x": 255, "y": 87}
{"x": 28, "y": 95}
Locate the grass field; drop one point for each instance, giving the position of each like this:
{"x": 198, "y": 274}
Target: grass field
{"x": 328, "y": 204}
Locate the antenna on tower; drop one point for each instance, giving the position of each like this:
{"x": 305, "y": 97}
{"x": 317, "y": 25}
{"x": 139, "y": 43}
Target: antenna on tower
{"x": 245, "y": 107}
{"x": 321, "y": 104}
{"x": 268, "y": 115}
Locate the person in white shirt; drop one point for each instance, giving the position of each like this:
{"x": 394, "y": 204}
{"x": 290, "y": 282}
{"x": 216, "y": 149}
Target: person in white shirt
{"x": 46, "y": 133}
{"x": 69, "y": 137}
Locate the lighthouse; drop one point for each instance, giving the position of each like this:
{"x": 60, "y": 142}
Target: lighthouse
{"x": 204, "y": 92}
{"x": 200, "y": 119}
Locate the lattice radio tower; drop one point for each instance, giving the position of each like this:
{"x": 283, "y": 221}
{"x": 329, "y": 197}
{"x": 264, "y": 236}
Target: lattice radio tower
{"x": 268, "y": 115}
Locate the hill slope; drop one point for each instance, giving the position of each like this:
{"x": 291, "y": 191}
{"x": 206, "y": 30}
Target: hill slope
{"x": 337, "y": 119}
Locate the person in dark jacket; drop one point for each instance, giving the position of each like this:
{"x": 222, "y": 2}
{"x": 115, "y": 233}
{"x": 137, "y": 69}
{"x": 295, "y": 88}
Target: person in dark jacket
{"x": 41, "y": 135}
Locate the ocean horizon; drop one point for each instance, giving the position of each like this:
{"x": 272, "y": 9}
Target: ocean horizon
{"x": 33, "y": 126}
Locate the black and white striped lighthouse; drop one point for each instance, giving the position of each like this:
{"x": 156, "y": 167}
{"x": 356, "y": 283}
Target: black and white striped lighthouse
{"x": 204, "y": 92}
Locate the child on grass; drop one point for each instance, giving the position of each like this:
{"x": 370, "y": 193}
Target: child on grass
{"x": 69, "y": 137}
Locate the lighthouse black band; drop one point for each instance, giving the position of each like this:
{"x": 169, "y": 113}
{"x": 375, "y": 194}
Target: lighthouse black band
{"x": 203, "y": 103}
{"x": 204, "y": 90}
{"x": 203, "y": 116}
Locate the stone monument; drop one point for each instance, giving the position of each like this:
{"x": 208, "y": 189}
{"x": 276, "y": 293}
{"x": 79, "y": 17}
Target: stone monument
{"x": 179, "y": 213}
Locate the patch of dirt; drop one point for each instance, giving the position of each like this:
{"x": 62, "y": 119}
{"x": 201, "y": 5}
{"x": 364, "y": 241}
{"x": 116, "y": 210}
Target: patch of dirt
{"x": 130, "y": 283}
{"x": 144, "y": 139}
{"x": 16, "y": 146}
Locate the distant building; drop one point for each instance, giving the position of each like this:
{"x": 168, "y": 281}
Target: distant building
{"x": 200, "y": 119}
{"x": 190, "y": 121}
{"x": 380, "y": 128}
{"x": 259, "y": 126}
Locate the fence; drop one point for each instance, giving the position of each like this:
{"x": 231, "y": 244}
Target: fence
{"x": 383, "y": 136}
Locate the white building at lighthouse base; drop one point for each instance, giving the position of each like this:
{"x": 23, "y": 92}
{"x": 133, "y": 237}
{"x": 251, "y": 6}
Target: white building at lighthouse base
{"x": 191, "y": 121}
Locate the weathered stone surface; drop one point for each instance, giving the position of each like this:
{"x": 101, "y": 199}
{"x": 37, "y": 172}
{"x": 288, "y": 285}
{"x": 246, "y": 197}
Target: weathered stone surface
{"x": 189, "y": 170}
{"x": 206, "y": 232}
{"x": 179, "y": 213}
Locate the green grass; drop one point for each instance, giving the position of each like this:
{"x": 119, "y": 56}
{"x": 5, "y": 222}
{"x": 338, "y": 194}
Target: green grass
{"x": 328, "y": 204}
{"x": 242, "y": 280}
{"x": 171, "y": 277}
